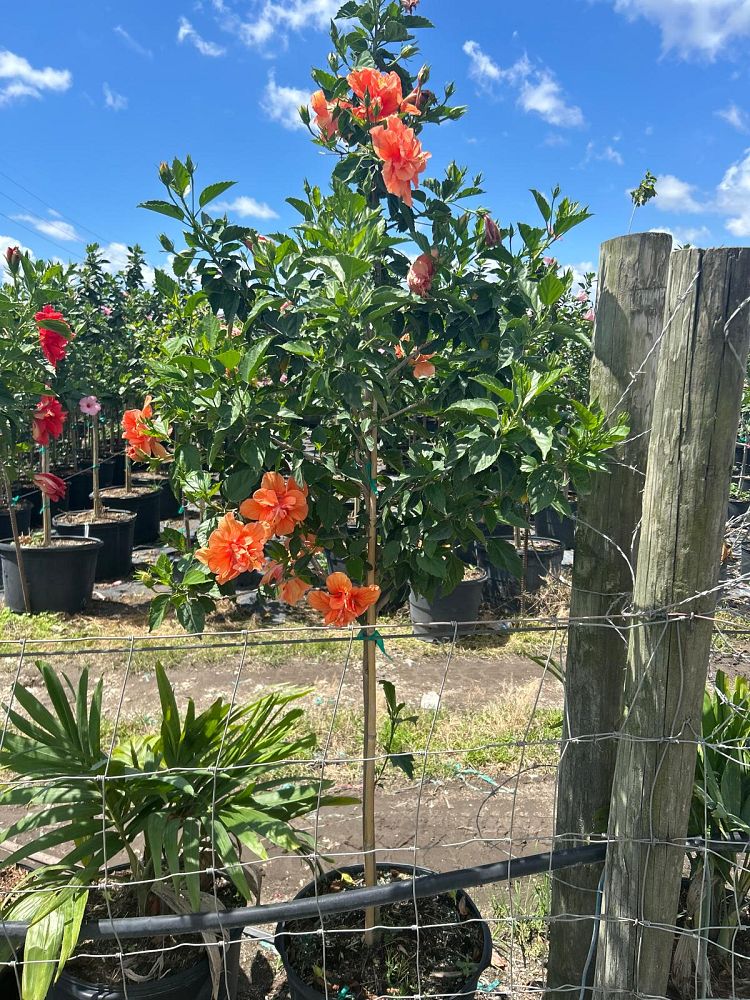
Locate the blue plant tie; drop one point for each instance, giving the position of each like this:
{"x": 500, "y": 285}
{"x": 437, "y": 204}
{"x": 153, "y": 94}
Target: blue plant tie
{"x": 15, "y": 499}
{"x": 490, "y": 987}
{"x": 343, "y": 992}
{"x": 180, "y": 510}
{"x": 373, "y": 636}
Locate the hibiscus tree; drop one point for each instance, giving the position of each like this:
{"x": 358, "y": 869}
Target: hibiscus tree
{"x": 401, "y": 355}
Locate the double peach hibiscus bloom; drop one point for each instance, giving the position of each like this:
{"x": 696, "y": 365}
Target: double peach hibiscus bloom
{"x": 381, "y": 100}
{"x": 278, "y": 508}
{"x": 135, "y": 430}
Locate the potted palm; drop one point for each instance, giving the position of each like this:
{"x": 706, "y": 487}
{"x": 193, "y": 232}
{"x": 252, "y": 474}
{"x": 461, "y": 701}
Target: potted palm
{"x": 180, "y": 826}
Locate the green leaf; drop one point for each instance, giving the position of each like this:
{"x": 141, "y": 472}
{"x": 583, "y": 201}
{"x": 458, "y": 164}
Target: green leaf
{"x": 404, "y": 762}
{"x": 157, "y": 610}
{"x": 474, "y": 407}
{"x": 166, "y": 285}
{"x": 544, "y": 438}
{"x": 503, "y": 554}
{"x": 551, "y": 288}
{"x": 299, "y": 347}
{"x": 253, "y": 358}
{"x": 41, "y": 954}
{"x": 543, "y": 204}
{"x": 483, "y": 453}
{"x": 164, "y": 208}
{"x": 240, "y": 484}
{"x": 230, "y": 358}
{"x": 495, "y": 386}
{"x": 213, "y": 191}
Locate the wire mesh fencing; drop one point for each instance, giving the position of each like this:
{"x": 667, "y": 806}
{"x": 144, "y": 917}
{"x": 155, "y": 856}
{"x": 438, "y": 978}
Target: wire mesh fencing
{"x": 165, "y": 831}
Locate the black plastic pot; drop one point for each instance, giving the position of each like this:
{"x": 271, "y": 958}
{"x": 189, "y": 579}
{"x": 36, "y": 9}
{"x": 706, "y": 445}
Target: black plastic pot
{"x": 144, "y": 501}
{"x": 543, "y": 561}
{"x": 550, "y": 524}
{"x": 193, "y": 983}
{"x": 117, "y": 464}
{"x": 737, "y": 508}
{"x": 23, "y": 519}
{"x": 169, "y": 506}
{"x": 27, "y": 491}
{"x": 300, "y": 990}
{"x": 461, "y": 605}
{"x": 80, "y": 486}
{"x": 60, "y": 578}
{"x": 116, "y": 557}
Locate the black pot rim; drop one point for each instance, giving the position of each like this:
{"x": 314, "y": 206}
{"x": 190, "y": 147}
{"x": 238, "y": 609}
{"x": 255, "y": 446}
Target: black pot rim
{"x": 60, "y": 518}
{"x": 467, "y": 988}
{"x": 8, "y": 545}
{"x": 558, "y": 546}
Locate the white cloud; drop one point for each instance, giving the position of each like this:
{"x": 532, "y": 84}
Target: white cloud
{"x": 26, "y": 81}
{"x": 133, "y": 43}
{"x": 481, "y": 67}
{"x": 735, "y": 117}
{"x": 282, "y": 104}
{"x": 694, "y": 235}
{"x": 53, "y": 228}
{"x": 113, "y": 100}
{"x": 290, "y": 15}
{"x": 733, "y": 197}
{"x": 116, "y": 259}
{"x": 675, "y": 195}
{"x": 703, "y": 27}
{"x": 538, "y": 89}
{"x": 247, "y": 208}
{"x": 608, "y": 155}
{"x": 188, "y": 33}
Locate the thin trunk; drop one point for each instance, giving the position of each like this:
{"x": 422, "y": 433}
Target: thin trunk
{"x": 16, "y": 540}
{"x": 369, "y": 679}
{"x": 46, "y": 512}
{"x": 128, "y": 475}
{"x": 98, "y": 508}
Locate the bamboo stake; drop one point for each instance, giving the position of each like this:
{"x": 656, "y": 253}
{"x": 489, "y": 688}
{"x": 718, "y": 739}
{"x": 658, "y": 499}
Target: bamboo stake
{"x": 370, "y": 688}
{"x": 128, "y": 476}
{"x": 16, "y": 539}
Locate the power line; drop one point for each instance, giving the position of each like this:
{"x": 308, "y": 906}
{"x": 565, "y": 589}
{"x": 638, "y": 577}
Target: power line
{"x": 46, "y": 204}
{"x": 34, "y": 232}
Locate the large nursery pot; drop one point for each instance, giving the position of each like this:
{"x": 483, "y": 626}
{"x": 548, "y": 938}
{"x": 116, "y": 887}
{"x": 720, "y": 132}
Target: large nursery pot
{"x": 60, "y": 577}
{"x": 23, "y": 519}
{"x": 461, "y": 605}
{"x": 545, "y": 559}
{"x": 466, "y": 911}
{"x": 114, "y": 530}
{"x": 116, "y": 463}
{"x": 27, "y": 491}
{"x": 192, "y": 983}
{"x": 169, "y": 505}
{"x": 737, "y": 508}
{"x": 80, "y": 485}
{"x": 145, "y": 502}
{"x": 550, "y": 524}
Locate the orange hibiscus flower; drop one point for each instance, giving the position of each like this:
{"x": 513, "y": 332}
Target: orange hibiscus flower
{"x": 281, "y": 503}
{"x": 273, "y": 572}
{"x": 421, "y": 364}
{"x": 402, "y": 156}
{"x": 135, "y": 432}
{"x": 324, "y": 117}
{"x": 380, "y": 93}
{"x": 234, "y": 548}
{"x": 344, "y": 602}
{"x": 293, "y": 589}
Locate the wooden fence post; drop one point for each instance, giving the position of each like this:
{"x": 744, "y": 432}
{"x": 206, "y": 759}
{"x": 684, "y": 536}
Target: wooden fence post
{"x": 691, "y": 452}
{"x": 633, "y": 274}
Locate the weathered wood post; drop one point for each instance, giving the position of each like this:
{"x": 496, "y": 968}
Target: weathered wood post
{"x": 691, "y": 452}
{"x": 633, "y": 274}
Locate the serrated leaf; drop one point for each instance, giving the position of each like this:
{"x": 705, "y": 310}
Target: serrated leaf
{"x": 163, "y": 208}
{"x": 213, "y": 191}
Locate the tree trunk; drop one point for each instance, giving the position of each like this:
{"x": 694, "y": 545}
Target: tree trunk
{"x": 691, "y": 453}
{"x": 630, "y": 314}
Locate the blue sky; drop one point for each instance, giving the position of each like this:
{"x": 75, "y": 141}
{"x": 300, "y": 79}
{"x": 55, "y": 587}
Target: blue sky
{"x": 588, "y": 94}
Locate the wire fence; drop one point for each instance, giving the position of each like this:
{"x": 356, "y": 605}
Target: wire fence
{"x": 421, "y": 815}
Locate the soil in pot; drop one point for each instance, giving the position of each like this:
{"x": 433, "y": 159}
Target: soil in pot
{"x": 60, "y": 577}
{"x": 23, "y": 519}
{"x": 169, "y": 507}
{"x": 461, "y": 605}
{"x": 453, "y": 952}
{"x": 170, "y": 972}
{"x": 145, "y": 501}
{"x": 114, "y": 529}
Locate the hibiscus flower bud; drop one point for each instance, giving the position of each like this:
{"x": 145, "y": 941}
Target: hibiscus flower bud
{"x": 13, "y": 258}
{"x": 421, "y": 274}
{"x": 492, "y": 234}
{"x": 164, "y": 172}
